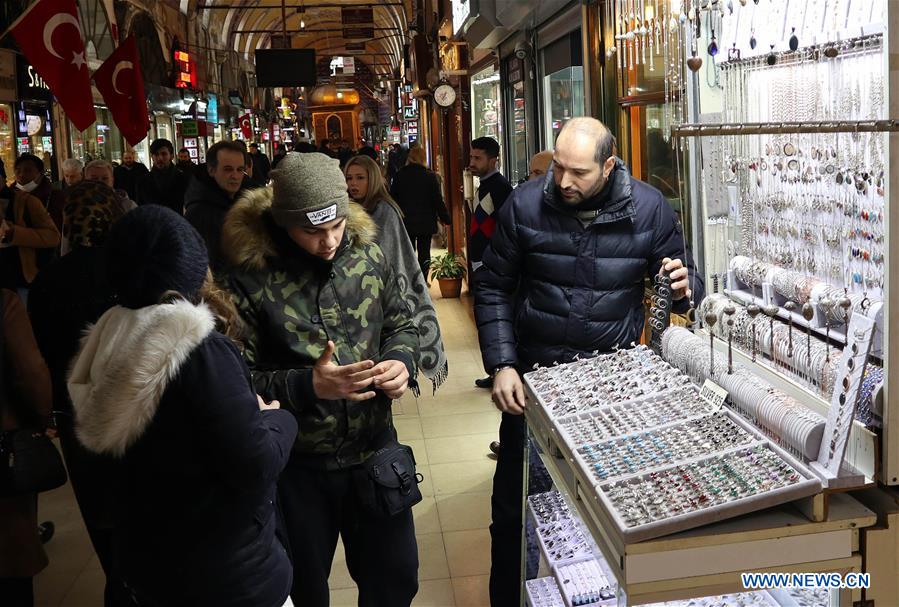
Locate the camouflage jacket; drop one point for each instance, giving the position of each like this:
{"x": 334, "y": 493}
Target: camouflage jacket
{"x": 293, "y": 303}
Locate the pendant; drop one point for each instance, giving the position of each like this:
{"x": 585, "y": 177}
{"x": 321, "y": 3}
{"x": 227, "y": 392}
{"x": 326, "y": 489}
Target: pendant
{"x": 752, "y": 41}
{"x": 694, "y": 62}
{"x": 772, "y": 58}
{"x": 831, "y": 51}
{"x": 713, "y": 45}
{"x": 794, "y": 41}
{"x": 734, "y": 53}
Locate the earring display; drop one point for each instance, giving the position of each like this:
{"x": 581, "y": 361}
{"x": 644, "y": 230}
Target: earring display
{"x": 681, "y": 497}
{"x": 583, "y": 583}
{"x": 544, "y": 592}
{"x": 846, "y": 394}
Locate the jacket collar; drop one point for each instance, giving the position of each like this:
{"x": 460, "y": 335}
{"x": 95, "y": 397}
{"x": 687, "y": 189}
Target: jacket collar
{"x": 251, "y": 240}
{"x": 202, "y": 189}
{"x": 619, "y": 203}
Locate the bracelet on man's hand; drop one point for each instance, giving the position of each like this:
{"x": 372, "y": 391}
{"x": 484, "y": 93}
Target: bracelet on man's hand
{"x": 499, "y": 368}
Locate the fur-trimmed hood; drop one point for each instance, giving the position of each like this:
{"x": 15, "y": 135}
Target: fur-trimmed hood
{"x": 125, "y": 363}
{"x": 247, "y": 238}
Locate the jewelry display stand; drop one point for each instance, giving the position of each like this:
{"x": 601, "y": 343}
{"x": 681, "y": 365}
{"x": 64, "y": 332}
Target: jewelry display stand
{"x": 784, "y": 123}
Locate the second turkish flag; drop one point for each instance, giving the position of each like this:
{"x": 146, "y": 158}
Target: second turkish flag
{"x": 246, "y": 126}
{"x": 50, "y": 37}
{"x": 120, "y": 82}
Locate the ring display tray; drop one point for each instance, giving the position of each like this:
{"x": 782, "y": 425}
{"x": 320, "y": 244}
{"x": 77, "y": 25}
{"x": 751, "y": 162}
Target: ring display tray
{"x": 805, "y": 485}
{"x": 667, "y": 413}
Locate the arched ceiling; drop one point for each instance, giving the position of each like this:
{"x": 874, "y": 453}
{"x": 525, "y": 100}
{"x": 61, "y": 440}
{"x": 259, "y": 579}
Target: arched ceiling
{"x": 251, "y": 24}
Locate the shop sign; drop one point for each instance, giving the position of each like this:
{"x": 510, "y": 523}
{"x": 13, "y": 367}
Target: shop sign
{"x": 410, "y": 113}
{"x": 355, "y": 47}
{"x": 24, "y": 142}
{"x": 101, "y": 139}
{"x": 212, "y": 108}
{"x": 358, "y": 33}
{"x": 356, "y": 16}
{"x": 189, "y": 128}
{"x": 516, "y": 71}
{"x": 7, "y": 75}
{"x": 461, "y": 13}
{"x": 31, "y": 85}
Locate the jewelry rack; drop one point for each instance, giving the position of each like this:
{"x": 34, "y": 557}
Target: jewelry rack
{"x": 785, "y": 128}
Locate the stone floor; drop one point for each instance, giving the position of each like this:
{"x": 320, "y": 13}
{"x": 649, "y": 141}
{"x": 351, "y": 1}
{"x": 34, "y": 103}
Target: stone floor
{"x": 450, "y": 434}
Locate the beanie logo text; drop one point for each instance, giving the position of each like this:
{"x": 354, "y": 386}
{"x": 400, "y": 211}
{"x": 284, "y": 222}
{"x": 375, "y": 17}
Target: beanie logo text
{"x": 321, "y": 216}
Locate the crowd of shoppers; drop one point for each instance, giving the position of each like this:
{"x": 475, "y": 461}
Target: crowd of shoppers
{"x": 223, "y": 352}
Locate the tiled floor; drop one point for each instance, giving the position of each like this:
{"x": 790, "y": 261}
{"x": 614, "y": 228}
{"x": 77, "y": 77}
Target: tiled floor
{"x": 449, "y": 433}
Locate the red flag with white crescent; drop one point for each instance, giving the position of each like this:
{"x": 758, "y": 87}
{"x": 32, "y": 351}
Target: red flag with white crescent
{"x": 120, "y": 82}
{"x": 246, "y": 125}
{"x": 49, "y": 35}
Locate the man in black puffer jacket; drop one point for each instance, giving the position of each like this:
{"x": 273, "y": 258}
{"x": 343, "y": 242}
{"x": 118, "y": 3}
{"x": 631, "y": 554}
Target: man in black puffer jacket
{"x": 564, "y": 275}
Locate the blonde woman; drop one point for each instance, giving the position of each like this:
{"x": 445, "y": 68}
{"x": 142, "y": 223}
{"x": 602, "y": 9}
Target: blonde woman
{"x": 365, "y": 185}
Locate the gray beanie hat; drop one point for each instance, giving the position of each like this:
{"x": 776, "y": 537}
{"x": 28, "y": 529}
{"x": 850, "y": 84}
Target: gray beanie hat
{"x": 308, "y": 190}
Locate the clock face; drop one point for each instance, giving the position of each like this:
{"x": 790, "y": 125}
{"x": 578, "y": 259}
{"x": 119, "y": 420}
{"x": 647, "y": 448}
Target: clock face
{"x": 445, "y": 95}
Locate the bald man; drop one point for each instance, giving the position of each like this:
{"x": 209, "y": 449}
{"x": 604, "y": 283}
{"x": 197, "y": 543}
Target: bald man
{"x": 564, "y": 276}
{"x": 540, "y": 164}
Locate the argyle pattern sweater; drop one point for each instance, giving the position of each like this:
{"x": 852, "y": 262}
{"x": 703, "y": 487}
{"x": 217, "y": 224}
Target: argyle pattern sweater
{"x": 492, "y": 193}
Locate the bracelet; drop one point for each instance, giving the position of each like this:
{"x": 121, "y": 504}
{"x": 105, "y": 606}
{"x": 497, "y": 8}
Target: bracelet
{"x": 499, "y": 368}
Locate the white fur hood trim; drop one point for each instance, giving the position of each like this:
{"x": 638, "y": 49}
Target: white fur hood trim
{"x": 125, "y": 363}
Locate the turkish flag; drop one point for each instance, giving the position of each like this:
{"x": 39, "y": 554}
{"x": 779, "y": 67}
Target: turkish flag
{"x": 50, "y": 36}
{"x": 246, "y": 125}
{"x": 120, "y": 82}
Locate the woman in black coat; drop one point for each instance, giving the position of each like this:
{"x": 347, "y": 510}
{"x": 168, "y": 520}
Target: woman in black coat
{"x": 417, "y": 192}
{"x": 156, "y": 386}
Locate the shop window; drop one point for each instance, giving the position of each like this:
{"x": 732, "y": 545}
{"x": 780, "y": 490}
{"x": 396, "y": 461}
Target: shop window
{"x": 564, "y": 94}
{"x": 517, "y": 153}
{"x": 485, "y": 108}
{"x": 7, "y": 137}
{"x": 563, "y": 84}
{"x": 101, "y": 141}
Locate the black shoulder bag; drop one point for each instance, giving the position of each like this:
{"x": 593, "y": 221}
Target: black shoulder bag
{"x": 387, "y": 481}
{"x": 29, "y": 462}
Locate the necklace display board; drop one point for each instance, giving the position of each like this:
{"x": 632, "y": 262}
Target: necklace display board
{"x": 793, "y": 124}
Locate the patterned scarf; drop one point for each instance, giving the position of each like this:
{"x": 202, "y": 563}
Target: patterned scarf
{"x": 398, "y": 251}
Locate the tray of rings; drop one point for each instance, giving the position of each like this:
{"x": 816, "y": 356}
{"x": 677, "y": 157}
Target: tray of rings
{"x": 703, "y": 490}
{"x": 588, "y": 383}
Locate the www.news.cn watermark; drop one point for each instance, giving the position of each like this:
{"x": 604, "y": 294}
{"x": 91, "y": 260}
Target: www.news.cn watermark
{"x": 835, "y": 581}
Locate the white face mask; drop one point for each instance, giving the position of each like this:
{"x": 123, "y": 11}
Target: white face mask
{"x": 28, "y": 187}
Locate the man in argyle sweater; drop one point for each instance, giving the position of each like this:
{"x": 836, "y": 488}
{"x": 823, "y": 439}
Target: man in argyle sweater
{"x": 492, "y": 193}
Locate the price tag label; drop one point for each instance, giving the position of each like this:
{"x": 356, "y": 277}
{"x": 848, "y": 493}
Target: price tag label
{"x": 713, "y": 394}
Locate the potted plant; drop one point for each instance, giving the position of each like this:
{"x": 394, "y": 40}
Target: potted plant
{"x": 448, "y": 269}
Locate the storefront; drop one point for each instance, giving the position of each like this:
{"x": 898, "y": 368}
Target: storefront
{"x": 486, "y": 104}
{"x": 33, "y": 113}
{"x": 560, "y": 73}
{"x": 101, "y": 141}
{"x": 7, "y": 109}
{"x": 780, "y": 155}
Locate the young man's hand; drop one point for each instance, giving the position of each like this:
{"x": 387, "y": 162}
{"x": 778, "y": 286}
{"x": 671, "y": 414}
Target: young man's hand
{"x": 508, "y": 391}
{"x": 391, "y": 377}
{"x": 333, "y": 382}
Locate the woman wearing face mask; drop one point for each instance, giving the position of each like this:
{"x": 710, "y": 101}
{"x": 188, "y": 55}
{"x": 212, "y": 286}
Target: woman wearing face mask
{"x": 366, "y": 187}
{"x": 26, "y": 228}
